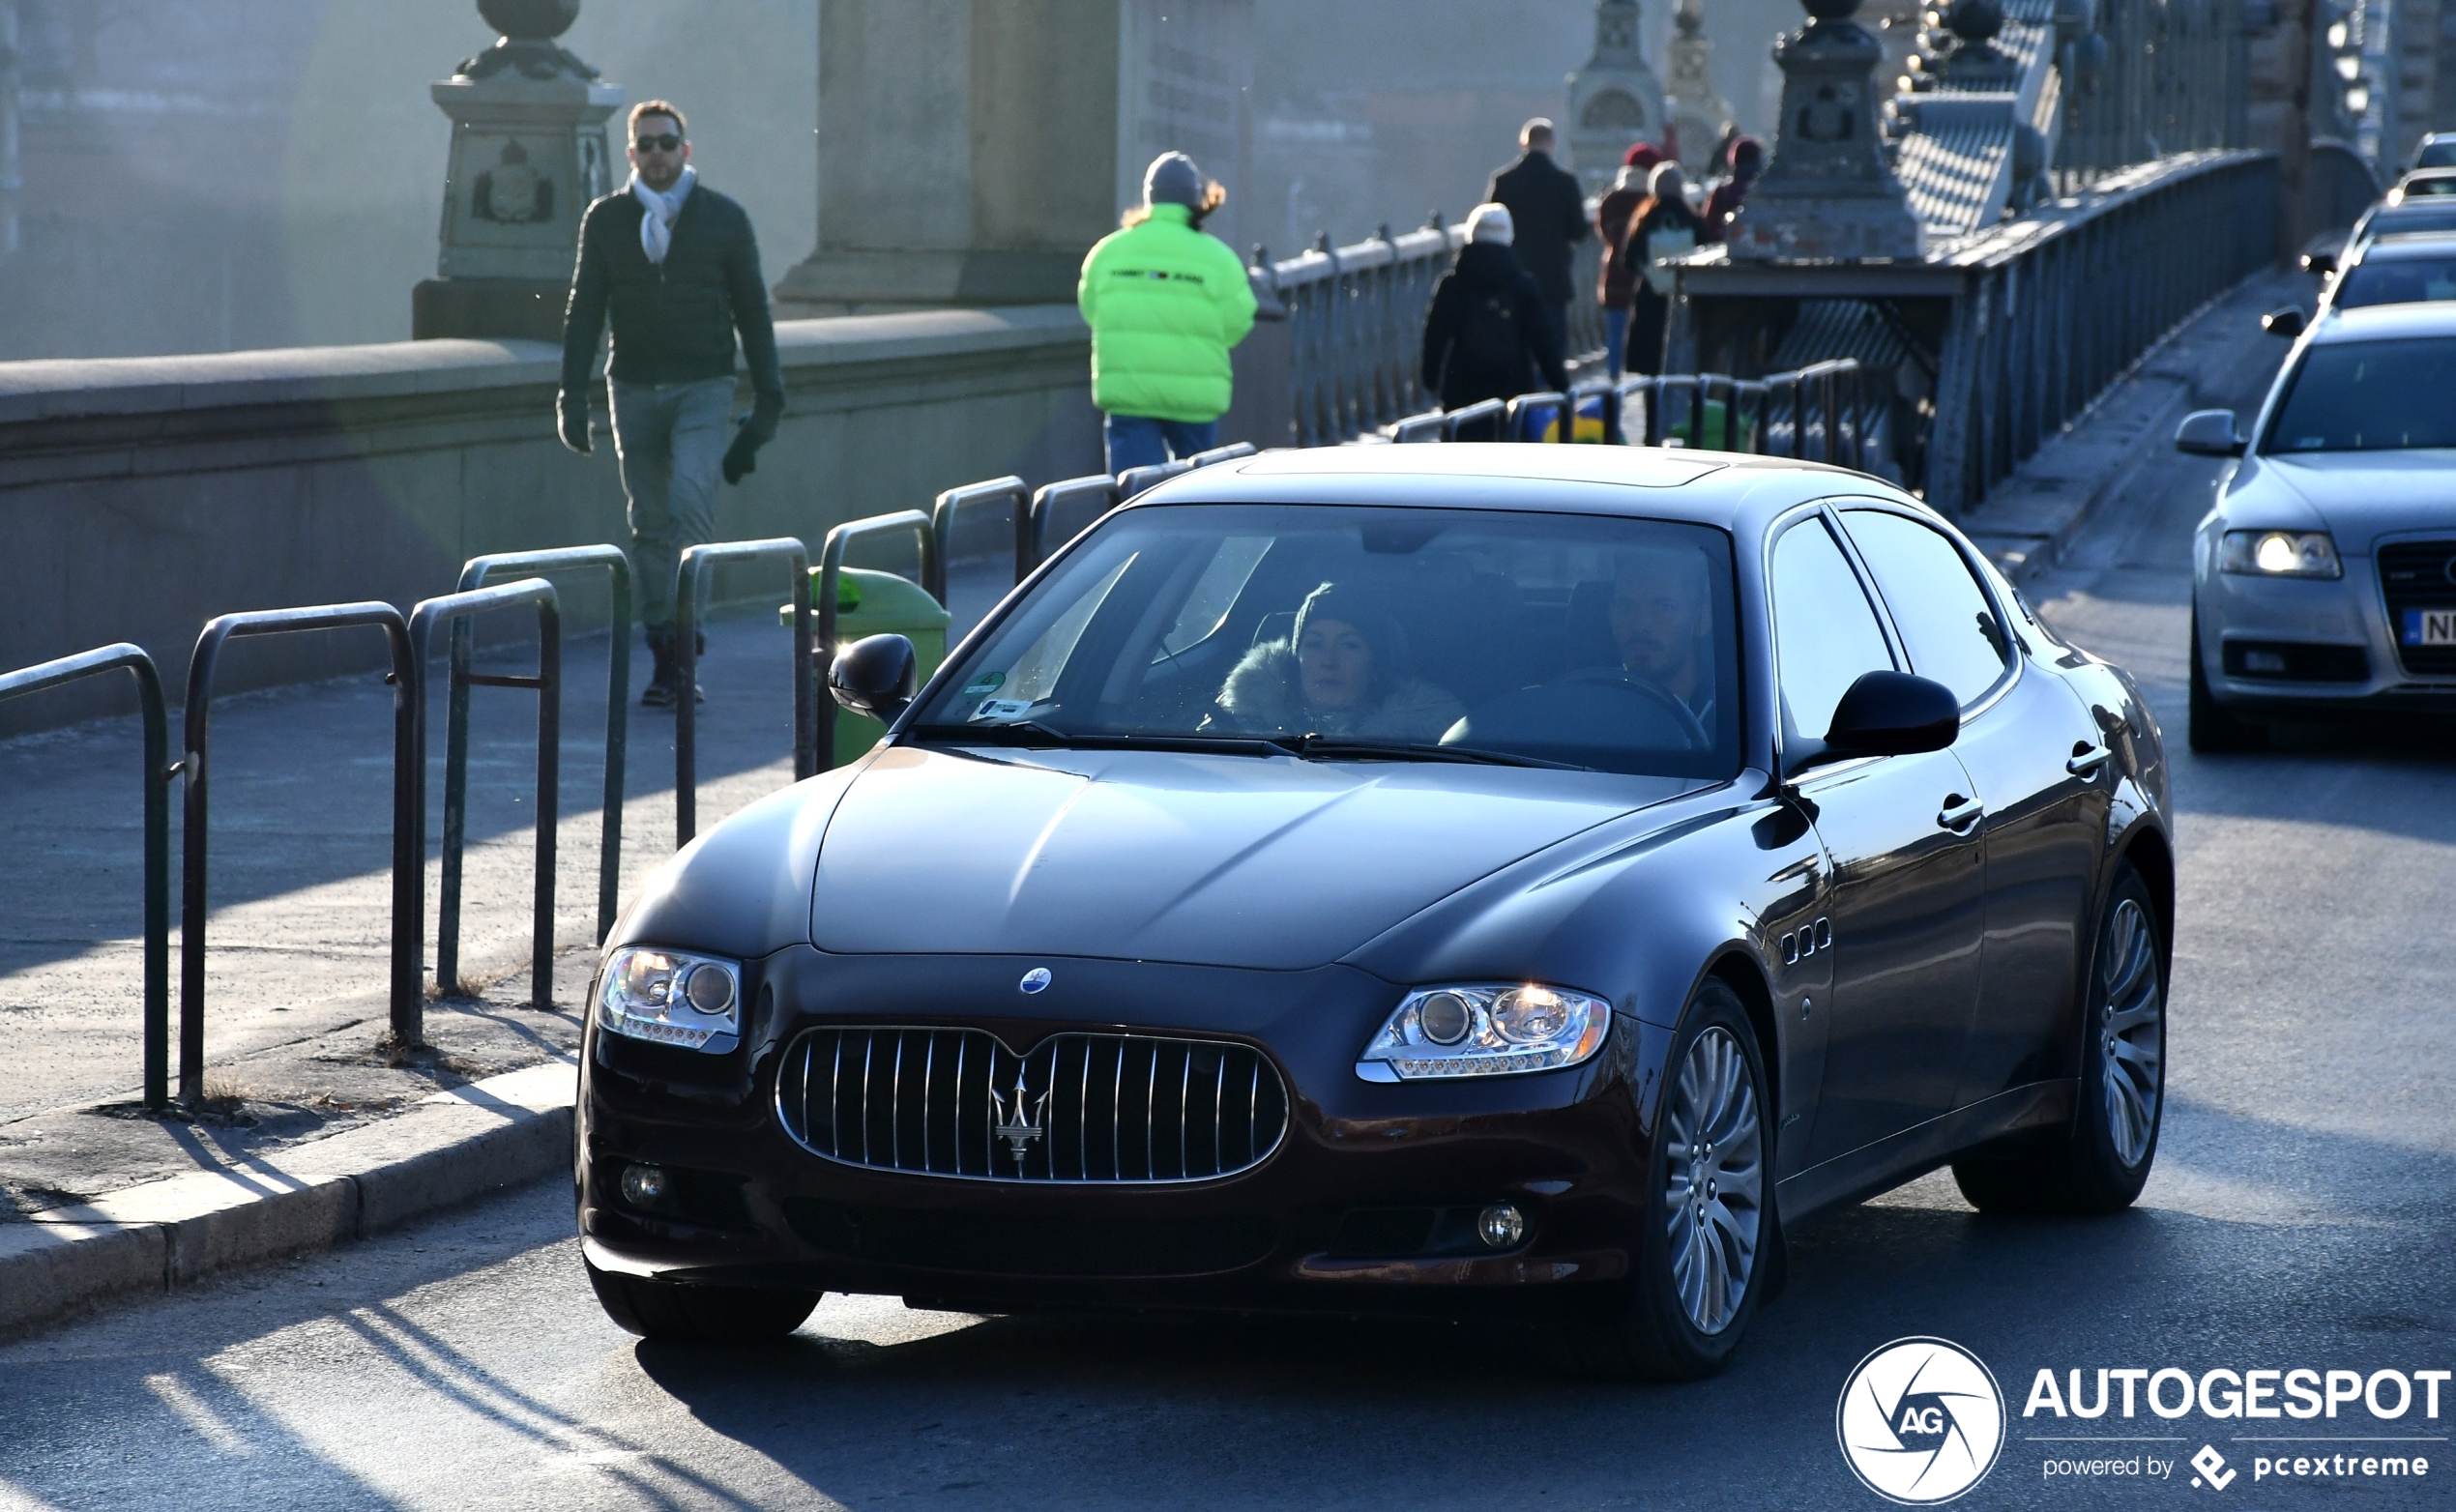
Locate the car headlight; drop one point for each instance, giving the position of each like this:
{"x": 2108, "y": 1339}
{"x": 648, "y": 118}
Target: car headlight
{"x": 2279, "y": 553}
{"x": 672, "y": 997}
{"x": 1498, "y": 1029}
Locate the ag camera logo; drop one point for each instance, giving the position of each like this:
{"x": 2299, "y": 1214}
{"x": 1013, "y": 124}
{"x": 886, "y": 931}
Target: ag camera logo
{"x": 1921, "y": 1422}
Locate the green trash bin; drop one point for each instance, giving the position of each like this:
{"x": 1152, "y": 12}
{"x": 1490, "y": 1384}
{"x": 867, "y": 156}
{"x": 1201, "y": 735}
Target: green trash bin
{"x": 875, "y": 603}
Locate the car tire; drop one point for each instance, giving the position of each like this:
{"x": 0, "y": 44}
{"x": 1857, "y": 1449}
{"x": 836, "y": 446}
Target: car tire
{"x": 680, "y": 1314}
{"x": 2100, "y": 1163}
{"x": 2214, "y": 727}
{"x": 1684, "y": 1316}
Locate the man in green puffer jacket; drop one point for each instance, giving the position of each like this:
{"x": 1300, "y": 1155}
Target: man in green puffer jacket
{"x": 1165, "y": 300}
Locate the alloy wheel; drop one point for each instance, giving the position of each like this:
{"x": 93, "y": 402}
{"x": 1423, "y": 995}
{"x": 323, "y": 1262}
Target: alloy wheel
{"x": 2131, "y": 1032}
{"x": 1715, "y": 1193}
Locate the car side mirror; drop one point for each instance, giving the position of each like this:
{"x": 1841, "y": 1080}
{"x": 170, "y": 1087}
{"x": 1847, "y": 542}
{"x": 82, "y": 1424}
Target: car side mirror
{"x": 2210, "y": 434}
{"x": 2286, "y": 322}
{"x": 1887, "y": 713}
{"x": 875, "y": 675}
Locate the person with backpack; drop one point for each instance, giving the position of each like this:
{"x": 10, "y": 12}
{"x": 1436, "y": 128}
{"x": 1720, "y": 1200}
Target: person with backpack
{"x": 1488, "y": 335}
{"x": 1166, "y": 301}
{"x": 1663, "y": 226}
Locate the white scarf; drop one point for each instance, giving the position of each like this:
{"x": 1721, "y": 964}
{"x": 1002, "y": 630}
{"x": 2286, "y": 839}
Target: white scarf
{"x": 656, "y": 226}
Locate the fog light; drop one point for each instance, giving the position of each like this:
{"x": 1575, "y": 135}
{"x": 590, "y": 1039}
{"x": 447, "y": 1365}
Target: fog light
{"x": 1500, "y": 1226}
{"x": 643, "y": 1186}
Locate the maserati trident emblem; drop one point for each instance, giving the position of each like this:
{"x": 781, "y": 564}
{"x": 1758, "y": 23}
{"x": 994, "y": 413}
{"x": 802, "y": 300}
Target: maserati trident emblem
{"x": 1018, "y": 1118}
{"x": 1034, "y": 980}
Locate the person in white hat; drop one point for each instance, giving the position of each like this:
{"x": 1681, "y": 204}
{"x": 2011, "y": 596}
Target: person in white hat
{"x": 1489, "y": 333}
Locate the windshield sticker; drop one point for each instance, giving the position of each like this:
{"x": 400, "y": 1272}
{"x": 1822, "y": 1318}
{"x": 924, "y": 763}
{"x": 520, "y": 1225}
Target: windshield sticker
{"x": 984, "y": 684}
{"x": 1002, "y": 708}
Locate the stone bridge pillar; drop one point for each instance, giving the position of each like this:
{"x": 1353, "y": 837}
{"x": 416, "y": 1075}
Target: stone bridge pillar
{"x": 972, "y": 150}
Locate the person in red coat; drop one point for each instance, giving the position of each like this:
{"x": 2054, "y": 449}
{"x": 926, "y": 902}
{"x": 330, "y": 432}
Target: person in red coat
{"x": 1747, "y": 159}
{"x": 1617, "y": 286}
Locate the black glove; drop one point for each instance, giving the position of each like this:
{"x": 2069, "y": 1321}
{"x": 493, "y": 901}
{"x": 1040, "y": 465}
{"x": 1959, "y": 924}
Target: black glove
{"x": 571, "y": 421}
{"x": 742, "y": 458}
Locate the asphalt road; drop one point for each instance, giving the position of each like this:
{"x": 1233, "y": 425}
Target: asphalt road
{"x": 2300, "y": 1217}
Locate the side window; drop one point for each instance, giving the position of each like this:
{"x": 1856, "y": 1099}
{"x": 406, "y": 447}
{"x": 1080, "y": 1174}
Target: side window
{"x": 1824, "y": 631}
{"x": 1946, "y": 621}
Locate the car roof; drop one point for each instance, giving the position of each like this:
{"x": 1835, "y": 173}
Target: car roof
{"x": 2397, "y": 245}
{"x": 2430, "y": 213}
{"x": 1653, "y": 482}
{"x": 2387, "y": 323}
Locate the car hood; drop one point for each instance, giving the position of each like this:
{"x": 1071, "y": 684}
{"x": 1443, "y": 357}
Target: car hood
{"x": 1272, "y": 863}
{"x": 2356, "y": 496}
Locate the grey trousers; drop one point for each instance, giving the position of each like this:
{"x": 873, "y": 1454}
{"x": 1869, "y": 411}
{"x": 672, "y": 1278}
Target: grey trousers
{"x": 670, "y": 439}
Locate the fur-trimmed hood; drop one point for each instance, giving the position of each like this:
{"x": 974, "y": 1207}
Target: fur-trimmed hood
{"x": 1264, "y": 695}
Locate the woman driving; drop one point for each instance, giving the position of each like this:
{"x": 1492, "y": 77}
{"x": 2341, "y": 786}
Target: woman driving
{"x": 1342, "y": 672}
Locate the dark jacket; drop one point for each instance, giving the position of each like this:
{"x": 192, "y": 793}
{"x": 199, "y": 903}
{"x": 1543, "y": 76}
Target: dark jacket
{"x": 1550, "y": 215}
{"x": 1484, "y": 272}
{"x": 1721, "y": 205}
{"x": 1612, "y": 289}
{"x": 674, "y": 322}
{"x": 1637, "y": 250}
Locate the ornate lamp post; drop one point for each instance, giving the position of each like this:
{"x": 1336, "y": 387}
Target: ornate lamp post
{"x": 528, "y": 153}
{"x": 1828, "y": 194}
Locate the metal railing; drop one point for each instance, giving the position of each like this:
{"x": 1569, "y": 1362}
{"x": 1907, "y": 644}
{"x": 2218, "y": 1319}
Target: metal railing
{"x": 158, "y": 772}
{"x": 475, "y": 573}
{"x": 457, "y": 609}
{"x": 1011, "y": 491}
{"x": 1357, "y": 324}
{"x": 408, "y": 848}
{"x": 830, "y": 572}
{"x": 690, "y": 590}
{"x": 1032, "y": 547}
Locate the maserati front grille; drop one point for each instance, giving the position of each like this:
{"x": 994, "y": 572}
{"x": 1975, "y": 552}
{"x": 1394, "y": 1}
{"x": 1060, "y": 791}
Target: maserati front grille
{"x": 1076, "y": 1108}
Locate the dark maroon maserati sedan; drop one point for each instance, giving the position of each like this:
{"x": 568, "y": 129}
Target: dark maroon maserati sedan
{"x": 1448, "y": 879}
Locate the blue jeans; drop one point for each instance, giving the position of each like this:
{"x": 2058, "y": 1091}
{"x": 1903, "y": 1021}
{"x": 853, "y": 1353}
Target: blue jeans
{"x": 1139, "y": 441}
{"x": 670, "y": 439}
{"x": 1616, "y": 339}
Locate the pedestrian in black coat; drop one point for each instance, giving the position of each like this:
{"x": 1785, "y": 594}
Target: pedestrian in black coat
{"x": 1549, "y": 210}
{"x": 1488, "y": 335}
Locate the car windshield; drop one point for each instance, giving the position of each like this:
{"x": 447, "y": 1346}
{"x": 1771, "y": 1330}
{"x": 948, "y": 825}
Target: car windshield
{"x": 2436, "y": 155}
{"x": 2400, "y": 281}
{"x": 2369, "y": 397}
{"x": 1355, "y": 633}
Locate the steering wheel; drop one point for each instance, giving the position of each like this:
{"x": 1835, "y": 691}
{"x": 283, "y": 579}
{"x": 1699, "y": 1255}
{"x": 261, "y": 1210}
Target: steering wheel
{"x": 1681, "y": 714}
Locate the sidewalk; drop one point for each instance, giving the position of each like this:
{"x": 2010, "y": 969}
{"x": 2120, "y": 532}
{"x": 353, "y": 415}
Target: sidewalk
{"x": 2031, "y": 517}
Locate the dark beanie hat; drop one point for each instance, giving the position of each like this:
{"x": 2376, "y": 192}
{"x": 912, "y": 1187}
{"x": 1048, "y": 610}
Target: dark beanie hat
{"x": 1172, "y": 179}
{"x": 1354, "y": 606}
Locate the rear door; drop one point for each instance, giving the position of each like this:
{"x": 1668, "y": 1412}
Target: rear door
{"x": 2036, "y": 756}
{"x": 1907, "y": 894}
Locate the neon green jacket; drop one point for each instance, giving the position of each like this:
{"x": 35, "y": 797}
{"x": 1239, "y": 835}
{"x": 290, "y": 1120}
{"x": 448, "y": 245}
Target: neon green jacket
{"x": 1165, "y": 302}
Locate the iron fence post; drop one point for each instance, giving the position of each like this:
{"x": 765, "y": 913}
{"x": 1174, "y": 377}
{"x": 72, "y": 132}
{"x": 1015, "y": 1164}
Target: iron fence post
{"x": 408, "y": 859}
{"x": 1032, "y": 548}
{"x": 154, "y": 719}
{"x": 822, "y": 651}
{"x": 943, "y": 514}
{"x": 475, "y": 573}
{"x": 690, "y": 587}
{"x": 458, "y": 608}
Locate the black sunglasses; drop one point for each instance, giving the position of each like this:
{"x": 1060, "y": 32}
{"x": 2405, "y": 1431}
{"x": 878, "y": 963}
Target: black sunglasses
{"x": 665, "y": 143}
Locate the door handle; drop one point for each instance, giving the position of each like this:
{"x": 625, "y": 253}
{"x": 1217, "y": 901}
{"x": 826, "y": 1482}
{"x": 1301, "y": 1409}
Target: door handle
{"x": 2086, "y": 759}
{"x": 1959, "y": 813}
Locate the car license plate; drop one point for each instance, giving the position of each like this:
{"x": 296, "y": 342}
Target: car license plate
{"x": 2430, "y": 626}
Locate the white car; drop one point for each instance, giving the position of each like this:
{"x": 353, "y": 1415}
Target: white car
{"x": 2324, "y": 582}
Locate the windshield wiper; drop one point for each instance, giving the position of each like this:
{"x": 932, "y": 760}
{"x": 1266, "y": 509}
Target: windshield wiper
{"x": 1034, "y": 735}
{"x": 1314, "y": 747}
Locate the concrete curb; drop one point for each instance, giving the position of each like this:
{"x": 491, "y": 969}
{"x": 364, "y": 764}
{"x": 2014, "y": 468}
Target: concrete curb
{"x": 449, "y": 1149}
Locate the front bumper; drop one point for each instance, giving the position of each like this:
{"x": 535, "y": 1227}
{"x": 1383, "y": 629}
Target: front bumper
{"x": 1362, "y": 1207}
{"x": 2309, "y": 649}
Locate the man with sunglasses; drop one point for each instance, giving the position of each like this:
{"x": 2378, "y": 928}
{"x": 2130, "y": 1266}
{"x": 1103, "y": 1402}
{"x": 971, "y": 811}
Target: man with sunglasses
{"x": 675, "y": 266}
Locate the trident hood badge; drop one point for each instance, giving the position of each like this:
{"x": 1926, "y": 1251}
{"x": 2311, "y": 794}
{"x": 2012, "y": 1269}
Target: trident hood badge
{"x": 1019, "y": 1117}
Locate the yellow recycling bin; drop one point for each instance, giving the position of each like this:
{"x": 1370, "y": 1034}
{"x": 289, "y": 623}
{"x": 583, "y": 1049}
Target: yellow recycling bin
{"x": 875, "y": 603}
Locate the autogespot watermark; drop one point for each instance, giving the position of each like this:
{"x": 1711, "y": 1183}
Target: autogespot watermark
{"x": 1922, "y": 1420}
{"x": 2329, "y": 1426}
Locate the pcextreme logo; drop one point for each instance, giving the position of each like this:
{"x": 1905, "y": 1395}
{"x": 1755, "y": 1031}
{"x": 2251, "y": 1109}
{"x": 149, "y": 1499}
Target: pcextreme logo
{"x": 1921, "y": 1422}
